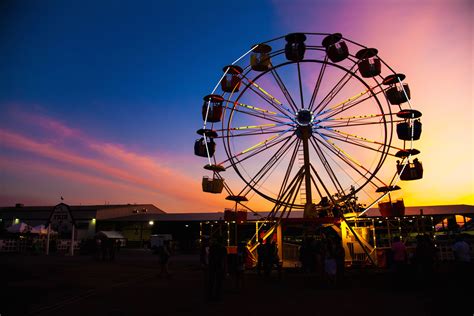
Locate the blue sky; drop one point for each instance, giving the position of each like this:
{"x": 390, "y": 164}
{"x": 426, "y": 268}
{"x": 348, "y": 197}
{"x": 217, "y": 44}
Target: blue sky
{"x": 120, "y": 68}
{"x": 100, "y": 100}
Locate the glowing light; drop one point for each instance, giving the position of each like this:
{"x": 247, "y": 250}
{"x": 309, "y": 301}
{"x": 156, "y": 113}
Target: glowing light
{"x": 151, "y": 223}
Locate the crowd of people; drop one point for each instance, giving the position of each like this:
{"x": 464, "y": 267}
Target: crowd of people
{"x": 320, "y": 255}
{"x": 323, "y": 256}
{"x": 106, "y": 248}
{"x": 219, "y": 264}
{"x": 267, "y": 258}
{"x": 421, "y": 264}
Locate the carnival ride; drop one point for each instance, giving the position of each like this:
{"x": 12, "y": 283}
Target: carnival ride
{"x": 309, "y": 123}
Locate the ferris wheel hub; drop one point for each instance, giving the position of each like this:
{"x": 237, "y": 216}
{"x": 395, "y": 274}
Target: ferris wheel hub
{"x": 304, "y": 117}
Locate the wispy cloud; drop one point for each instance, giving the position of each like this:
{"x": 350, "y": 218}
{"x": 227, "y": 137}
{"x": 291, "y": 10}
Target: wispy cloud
{"x": 88, "y": 160}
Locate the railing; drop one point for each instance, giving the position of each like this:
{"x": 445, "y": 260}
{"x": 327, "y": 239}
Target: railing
{"x": 35, "y": 245}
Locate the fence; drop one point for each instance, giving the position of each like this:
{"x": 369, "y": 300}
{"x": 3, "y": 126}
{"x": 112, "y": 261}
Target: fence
{"x": 35, "y": 245}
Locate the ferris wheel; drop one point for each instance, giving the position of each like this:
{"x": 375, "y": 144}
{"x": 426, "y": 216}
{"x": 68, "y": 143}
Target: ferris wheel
{"x": 310, "y": 121}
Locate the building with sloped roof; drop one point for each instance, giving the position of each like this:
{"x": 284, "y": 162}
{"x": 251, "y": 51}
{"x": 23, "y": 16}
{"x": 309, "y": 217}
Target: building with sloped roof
{"x": 87, "y": 218}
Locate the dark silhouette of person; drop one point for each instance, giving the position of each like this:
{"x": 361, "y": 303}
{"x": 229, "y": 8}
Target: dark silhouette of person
{"x": 270, "y": 257}
{"x": 424, "y": 259}
{"x": 118, "y": 244}
{"x": 204, "y": 260}
{"x": 399, "y": 260}
{"x": 98, "y": 248}
{"x": 217, "y": 268}
{"x": 307, "y": 256}
{"x": 164, "y": 254}
{"x": 204, "y": 253}
{"x": 111, "y": 248}
{"x": 241, "y": 258}
{"x": 463, "y": 268}
{"x": 103, "y": 248}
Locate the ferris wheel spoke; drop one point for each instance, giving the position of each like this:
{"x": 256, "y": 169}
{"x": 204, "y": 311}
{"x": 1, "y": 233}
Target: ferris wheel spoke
{"x": 318, "y": 83}
{"x": 290, "y": 192}
{"x": 356, "y": 143}
{"x": 336, "y": 162}
{"x": 257, "y": 110}
{"x": 362, "y": 142}
{"x": 327, "y": 166}
{"x": 263, "y": 132}
{"x": 264, "y": 173}
{"x": 289, "y": 197}
{"x": 290, "y": 166}
{"x": 262, "y": 127}
{"x": 259, "y": 147}
{"x": 270, "y": 99}
{"x": 358, "y": 121}
{"x": 283, "y": 88}
{"x": 333, "y": 92}
{"x": 348, "y": 159}
{"x": 285, "y": 197}
{"x": 276, "y": 119}
{"x": 348, "y": 104}
{"x": 354, "y": 137}
{"x": 272, "y": 102}
{"x": 268, "y": 166}
{"x": 324, "y": 187}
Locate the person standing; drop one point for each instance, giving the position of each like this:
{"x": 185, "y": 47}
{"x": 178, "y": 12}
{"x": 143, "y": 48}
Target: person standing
{"x": 424, "y": 259}
{"x": 399, "y": 257}
{"x": 217, "y": 268}
{"x": 111, "y": 248}
{"x": 164, "y": 254}
{"x": 240, "y": 265}
{"x": 462, "y": 257}
{"x": 461, "y": 250}
{"x": 204, "y": 260}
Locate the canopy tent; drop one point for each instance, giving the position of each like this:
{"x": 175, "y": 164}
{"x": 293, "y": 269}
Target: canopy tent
{"x": 19, "y": 228}
{"x": 23, "y": 228}
{"x": 110, "y": 234}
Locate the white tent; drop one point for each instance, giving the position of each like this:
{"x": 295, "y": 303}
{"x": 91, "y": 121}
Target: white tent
{"x": 19, "y": 228}
{"x": 111, "y": 234}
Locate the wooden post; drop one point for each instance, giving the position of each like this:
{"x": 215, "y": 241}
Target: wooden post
{"x": 71, "y": 250}
{"x": 47, "y": 239}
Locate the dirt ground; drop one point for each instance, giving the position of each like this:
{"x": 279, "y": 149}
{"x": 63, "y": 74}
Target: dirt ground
{"x": 130, "y": 285}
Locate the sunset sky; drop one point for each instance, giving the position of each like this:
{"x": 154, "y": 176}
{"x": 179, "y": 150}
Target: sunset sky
{"x": 100, "y": 100}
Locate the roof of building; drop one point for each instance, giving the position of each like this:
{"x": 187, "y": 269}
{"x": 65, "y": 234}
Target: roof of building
{"x": 373, "y": 212}
{"x": 149, "y": 212}
{"x": 184, "y": 217}
{"x": 429, "y": 210}
{"x": 79, "y": 212}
